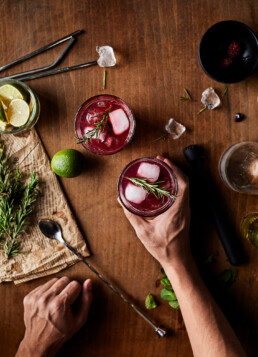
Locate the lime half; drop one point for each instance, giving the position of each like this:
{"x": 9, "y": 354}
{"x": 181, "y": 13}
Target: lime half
{"x": 18, "y": 112}
{"x": 8, "y": 92}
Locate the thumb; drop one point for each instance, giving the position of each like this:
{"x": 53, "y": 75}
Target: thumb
{"x": 85, "y": 302}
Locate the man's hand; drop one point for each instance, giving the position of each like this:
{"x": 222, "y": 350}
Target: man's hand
{"x": 53, "y": 312}
{"x": 166, "y": 237}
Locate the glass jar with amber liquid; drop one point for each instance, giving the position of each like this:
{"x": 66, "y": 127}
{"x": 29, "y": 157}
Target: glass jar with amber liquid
{"x": 249, "y": 228}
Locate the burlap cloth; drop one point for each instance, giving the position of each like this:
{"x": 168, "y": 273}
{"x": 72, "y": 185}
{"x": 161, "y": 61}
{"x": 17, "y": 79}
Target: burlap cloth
{"x": 40, "y": 256}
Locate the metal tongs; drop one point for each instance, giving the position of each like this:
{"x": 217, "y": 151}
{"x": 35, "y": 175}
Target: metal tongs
{"x": 46, "y": 70}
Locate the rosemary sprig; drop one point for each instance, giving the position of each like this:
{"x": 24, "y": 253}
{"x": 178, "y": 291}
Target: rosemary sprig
{"x": 201, "y": 110}
{"x": 225, "y": 92}
{"x": 100, "y": 127}
{"x": 187, "y": 98}
{"x": 152, "y": 187}
{"x": 16, "y": 202}
{"x": 162, "y": 137}
{"x": 104, "y": 78}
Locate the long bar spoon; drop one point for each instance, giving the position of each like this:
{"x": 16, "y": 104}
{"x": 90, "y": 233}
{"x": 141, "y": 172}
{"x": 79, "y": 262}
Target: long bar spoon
{"x": 52, "y": 230}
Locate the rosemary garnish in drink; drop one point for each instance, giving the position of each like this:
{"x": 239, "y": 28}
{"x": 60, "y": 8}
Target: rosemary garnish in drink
{"x": 187, "y": 98}
{"x": 201, "y": 110}
{"x": 152, "y": 187}
{"x": 16, "y": 200}
{"x": 100, "y": 127}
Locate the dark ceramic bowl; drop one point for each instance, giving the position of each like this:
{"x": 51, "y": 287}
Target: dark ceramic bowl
{"x": 214, "y": 52}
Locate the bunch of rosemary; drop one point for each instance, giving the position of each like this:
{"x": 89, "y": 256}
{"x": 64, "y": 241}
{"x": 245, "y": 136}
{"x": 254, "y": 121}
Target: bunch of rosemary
{"x": 16, "y": 200}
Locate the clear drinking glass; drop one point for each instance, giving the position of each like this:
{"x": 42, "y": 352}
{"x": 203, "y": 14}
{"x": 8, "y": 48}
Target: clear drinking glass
{"x": 34, "y": 105}
{"x": 109, "y": 141}
{"x": 238, "y": 167}
{"x": 150, "y": 206}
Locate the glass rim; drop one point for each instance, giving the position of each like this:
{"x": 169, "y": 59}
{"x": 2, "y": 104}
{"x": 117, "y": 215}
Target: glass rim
{"x": 160, "y": 210}
{"x": 119, "y": 99}
{"x": 35, "y": 111}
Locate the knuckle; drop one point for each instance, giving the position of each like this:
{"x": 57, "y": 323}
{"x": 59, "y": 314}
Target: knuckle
{"x": 65, "y": 278}
{"x": 42, "y": 300}
{"x": 26, "y": 300}
{"x": 55, "y": 305}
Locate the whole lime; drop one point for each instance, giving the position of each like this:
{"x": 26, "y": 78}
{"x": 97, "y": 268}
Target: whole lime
{"x": 67, "y": 163}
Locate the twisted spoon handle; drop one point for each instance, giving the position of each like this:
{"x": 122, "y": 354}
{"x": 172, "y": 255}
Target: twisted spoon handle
{"x": 160, "y": 332}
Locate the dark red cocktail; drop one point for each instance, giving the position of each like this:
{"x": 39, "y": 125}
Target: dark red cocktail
{"x": 147, "y": 187}
{"x": 104, "y": 124}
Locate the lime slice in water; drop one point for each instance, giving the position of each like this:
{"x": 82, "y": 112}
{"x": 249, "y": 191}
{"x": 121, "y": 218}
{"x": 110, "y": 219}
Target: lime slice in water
{"x": 18, "y": 112}
{"x": 8, "y": 92}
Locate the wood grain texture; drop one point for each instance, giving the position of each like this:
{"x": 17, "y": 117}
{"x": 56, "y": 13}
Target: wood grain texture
{"x": 156, "y": 44}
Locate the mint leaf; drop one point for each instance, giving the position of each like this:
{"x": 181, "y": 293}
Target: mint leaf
{"x": 150, "y": 302}
{"x": 174, "y": 304}
{"x": 165, "y": 281}
{"x": 227, "y": 277}
{"x": 208, "y": 260}
{"x": 168, "y": 295}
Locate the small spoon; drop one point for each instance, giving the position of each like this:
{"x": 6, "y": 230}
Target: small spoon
{"x": 52, "y": 230}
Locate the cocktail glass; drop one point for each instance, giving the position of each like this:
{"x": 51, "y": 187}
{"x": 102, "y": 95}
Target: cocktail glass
{"x": 139, "y": 201}
{"x": 118, "y": 124}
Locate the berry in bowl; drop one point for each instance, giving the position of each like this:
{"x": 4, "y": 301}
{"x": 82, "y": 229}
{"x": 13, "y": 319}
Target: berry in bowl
{"x": 228, "y": 51}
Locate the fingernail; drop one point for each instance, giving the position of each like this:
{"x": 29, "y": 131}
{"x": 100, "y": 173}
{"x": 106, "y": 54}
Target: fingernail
{"x": 89, "y": 285}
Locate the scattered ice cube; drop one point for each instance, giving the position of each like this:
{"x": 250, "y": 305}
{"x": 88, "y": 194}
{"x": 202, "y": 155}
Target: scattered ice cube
{"x": 106, "y": 56}
{"x": 174, "y": 128}
{"x": 135, "y": 194}
{"x": 119, "y": 121}
{"x": 87, "y": 136}
{"x": 149, "y": 171}
{"x": 210, "y": 98}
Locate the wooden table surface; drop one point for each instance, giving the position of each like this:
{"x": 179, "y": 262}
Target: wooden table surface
{"x": 156, "y": 44}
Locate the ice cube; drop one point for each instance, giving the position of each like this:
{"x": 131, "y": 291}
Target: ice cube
{"x": 110, "y": 140}
{"x": 106, "y": 56}
{"x": 149, "y": 171}
{"x": 119, "y": 121}
{"x": 101, "y": 137}
{"x": 210, "y": 98}
{"x": 174, "y": 128}
{"x": 135, "y": 194}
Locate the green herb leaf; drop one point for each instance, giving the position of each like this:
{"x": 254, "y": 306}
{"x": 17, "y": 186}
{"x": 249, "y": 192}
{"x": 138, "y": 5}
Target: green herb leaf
{"x": 187, "y": 98}
{"x": 162, "y": 137}
{"x": 208, "y": 260}
{"x": 104, "y": 78}
{"x": 154, "y": 188}
{"x": 150, "y": 302}
{"x": 201, "y": 110}
{"x": 227, "y": 277}
{"x": 2, "y": 113}
{"x": 225, "y": 92}
{"x": 168, "y": 295}
{"x": 100, "y": 127}
{"x": 166, "y": 283}
{"x": 174, "y": 304}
